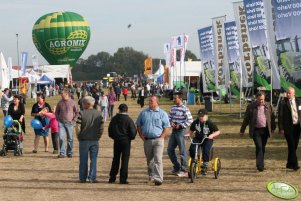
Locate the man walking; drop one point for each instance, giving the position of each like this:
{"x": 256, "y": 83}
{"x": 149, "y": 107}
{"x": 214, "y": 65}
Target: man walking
{"x": 122, "y": 130}
{"x": 180, "y": 118}
{"x": 66, "y": 114}
{"x": 89, "y": 128}
{"x": 152, "y": 125}
{"x": 289, "y": 119}
{"x": 261, "y": 120}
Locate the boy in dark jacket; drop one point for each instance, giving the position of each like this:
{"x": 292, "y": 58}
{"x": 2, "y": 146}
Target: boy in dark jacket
{"x": 122, "y": 130}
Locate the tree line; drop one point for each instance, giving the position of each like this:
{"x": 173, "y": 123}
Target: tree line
{"x": 126, "y": 61}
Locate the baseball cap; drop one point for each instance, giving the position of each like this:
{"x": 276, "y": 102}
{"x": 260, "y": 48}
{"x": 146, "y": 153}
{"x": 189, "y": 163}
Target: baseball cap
{"x": 202, "y": 112}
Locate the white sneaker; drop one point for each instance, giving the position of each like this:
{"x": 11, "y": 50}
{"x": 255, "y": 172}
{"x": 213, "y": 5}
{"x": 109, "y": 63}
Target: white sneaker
{"x": 182, "y": 174}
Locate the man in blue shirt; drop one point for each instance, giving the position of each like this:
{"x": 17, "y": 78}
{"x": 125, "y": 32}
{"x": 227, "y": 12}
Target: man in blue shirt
{"x": 152, "y": 125}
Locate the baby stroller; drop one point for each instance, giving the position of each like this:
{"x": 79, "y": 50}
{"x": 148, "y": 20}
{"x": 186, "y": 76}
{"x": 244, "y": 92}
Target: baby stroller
{"x": 13, "y": 139}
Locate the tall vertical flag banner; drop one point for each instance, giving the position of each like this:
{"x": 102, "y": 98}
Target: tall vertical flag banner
{"x": 287, "y": 21}
{"x": 24, "y": 56}
{"x": 35, "y": 63}
{"x": 271, "y": 42}
{"x": 220, "y": 52}
{"x": 257, "y": 31}
{"x": 233, "y": 57}
{"x": 148, "y": 63}
{"x": 10, "y": 67}
{"x": 244, "y": 43}
{"x": 207, "y": 58}
{"x": 173, "y": 51}
{"x": 167, "y": 50}
{"x": 181, "y": 44}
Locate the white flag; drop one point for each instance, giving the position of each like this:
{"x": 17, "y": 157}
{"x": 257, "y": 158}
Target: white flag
{"x": 220, "y": 51}
{"x": 244, "y": 44}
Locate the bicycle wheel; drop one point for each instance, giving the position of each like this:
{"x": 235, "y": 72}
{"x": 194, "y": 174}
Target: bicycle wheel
{"x": 217, "y": 167}
{"x": 193, "y": 173}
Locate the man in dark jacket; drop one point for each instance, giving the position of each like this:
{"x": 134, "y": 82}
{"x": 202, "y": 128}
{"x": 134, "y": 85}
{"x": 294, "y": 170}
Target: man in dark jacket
{"x": 122, "y": 130}
{"x": 261, "y": 120}
{"x": 289, "y": 120}
{"x": 89, "y": 128}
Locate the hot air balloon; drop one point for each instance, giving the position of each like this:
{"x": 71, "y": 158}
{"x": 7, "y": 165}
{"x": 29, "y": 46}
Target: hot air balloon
{"x": 61, "y": 37}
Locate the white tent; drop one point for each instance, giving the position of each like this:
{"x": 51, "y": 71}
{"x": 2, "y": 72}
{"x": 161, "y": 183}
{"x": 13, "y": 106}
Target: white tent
{"x": 189, "y": 69}
{"x": 4, "y": 82}
{"x": 56, "y": 71}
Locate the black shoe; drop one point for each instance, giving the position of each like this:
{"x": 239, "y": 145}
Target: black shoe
{"x": 61, "y": 156}
{"x": 124, "y": 182}
{"x": 158, "y": 183}
{"x": 82, "y": 181}
{"x": 111, "y": 181}
{"x": 69, "y": 156}
{"x": 260, "y": 169}
{"x": 93, "y": 181}
{"x": 296, "y": 168}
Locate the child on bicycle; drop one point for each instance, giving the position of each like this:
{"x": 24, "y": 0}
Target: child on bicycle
{"x": 203, "y": 127}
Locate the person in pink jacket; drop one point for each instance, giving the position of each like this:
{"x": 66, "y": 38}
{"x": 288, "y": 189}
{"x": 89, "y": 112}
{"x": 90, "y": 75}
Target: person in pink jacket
{"x": 53, "y": 125}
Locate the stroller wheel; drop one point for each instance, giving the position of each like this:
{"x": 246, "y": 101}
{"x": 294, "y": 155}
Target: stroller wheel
{"x": 4, "y": 152}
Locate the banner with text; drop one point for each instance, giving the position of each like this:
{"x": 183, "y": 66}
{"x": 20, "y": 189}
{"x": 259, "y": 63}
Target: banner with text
{"x": 258, "y": 38}
{"x": 244, "y": 44}
{"x": 220, "y": 52}
{"x": 288, "y": 40}
{"x": 207, "y": 58}
{"x": 233, "y": 57}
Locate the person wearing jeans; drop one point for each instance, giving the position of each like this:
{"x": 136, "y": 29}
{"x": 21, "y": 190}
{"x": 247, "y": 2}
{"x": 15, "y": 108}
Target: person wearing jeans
{"x": 180, "y": 118}
{"x": 5, "y": 100}
{"x": 89, "y": 128}
{"x": 66, "y": 114}
{"x": 205, "y": 130}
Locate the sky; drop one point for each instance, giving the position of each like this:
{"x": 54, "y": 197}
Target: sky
{"x": 153, "y": 23}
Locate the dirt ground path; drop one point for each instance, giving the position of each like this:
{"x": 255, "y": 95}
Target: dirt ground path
{"x": 42, "y": 176}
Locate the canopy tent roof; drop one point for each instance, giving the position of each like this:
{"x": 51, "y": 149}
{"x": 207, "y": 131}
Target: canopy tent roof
{"x": 56, "y": 71}
{"x": 46, "y": 79}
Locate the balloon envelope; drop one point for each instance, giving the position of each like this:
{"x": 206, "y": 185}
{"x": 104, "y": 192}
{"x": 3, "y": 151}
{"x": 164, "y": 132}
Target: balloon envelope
{"x": 8, "y": 121}
{"x": 36, "y": 124}
{"x": 61, "y": 37}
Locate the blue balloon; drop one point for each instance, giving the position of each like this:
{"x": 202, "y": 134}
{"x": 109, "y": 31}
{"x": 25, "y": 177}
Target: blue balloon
{"x": 8, "y": 121}
{"x": 36, "y": 124}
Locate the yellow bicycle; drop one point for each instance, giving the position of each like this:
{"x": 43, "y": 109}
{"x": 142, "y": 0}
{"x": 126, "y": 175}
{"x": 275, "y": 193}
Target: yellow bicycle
{"x": 195, "y": 164}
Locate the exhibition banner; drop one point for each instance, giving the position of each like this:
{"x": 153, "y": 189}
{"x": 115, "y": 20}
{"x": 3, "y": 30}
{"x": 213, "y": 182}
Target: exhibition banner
{"x": 207, "y": 58}
{"x": 233, "y": 57}
{"x": 244, "y": 44}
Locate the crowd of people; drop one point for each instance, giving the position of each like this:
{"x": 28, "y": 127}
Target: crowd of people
{"x": 95, "y": 105}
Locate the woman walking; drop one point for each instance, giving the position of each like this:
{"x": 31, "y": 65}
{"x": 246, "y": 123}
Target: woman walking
{"x": 111, "y": 100}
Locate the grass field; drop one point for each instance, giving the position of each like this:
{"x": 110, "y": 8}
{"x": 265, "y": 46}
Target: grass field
{"x": 43, "y": 176}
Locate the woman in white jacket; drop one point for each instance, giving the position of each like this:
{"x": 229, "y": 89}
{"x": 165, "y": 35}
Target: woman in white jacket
{"x": 103, "y": 101}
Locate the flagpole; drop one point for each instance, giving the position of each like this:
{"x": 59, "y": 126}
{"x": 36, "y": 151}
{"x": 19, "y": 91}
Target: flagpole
{"x": 17, "y": 36}
{"x": 240, "y": 90}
